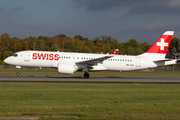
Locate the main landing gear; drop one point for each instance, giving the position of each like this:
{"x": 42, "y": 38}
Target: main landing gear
{"x": 18, "y": 73}
{"x": 86, "y": 75}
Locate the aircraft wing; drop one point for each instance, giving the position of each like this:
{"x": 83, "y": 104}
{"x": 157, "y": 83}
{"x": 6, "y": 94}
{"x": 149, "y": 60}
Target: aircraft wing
{"x": 93, "y": 62}
{"x": 88, "y": 63}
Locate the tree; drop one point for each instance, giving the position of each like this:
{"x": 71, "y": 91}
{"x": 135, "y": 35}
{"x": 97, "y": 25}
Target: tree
{"x": 107, "y": 48}
{"x": 41, "y": 45}
{"x": 80, "y": 37}
{"x": 7, "y": 54}
{"x": 115, "y": 43}
{"x": 134, "y": 43}
{"x": 104, "y": 44}
{"x": 133, "y": 47}
{"x": 4, "y": 40}
{"x": 173, "y": 47}
{"x": 145, "y": 46}
{"x": 99, "y": 48}
{"x": 96, "y": 40}
{"x": 178, "y": 46}
{"x": 71, "y": 47}
{"x": 85, "y": 49}
{"x": 42, "y": 42}
{"x": 16, "y": 44}
{"x": 62, "y": 35}
{"x": 53, "y": 47}
{"x": 32, "y": 42}
{"x": 25, "y": 44}
{"x": 106, "y": 39}
{"x": 91, "y": 46}
{"x": 57, "y": 41}
{"x": 64, "y": 42}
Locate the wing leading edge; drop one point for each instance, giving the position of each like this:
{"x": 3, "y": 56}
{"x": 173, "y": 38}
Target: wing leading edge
{"x": 88, "y": 64}
{"x": 93, "y": 62}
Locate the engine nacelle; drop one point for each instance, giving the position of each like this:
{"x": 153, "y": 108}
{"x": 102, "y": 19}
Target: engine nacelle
{"x": 66, "y": 68}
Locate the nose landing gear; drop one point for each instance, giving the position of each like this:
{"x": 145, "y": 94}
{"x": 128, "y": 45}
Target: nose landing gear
{"x": 18, "y": 73}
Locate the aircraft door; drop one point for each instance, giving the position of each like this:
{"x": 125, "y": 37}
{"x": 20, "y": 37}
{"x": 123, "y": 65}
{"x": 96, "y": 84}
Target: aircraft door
{"x": 27, "y": 56}
{"x": 73, "y": 58}
{"x": 138, "y": 62}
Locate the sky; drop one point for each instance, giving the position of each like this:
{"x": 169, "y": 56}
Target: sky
{"x": 143, "y": 20}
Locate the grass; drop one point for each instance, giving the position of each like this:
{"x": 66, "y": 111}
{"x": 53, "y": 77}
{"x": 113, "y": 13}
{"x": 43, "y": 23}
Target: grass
{"x": 90, "y": 100}
{"x": 104, "y": 73}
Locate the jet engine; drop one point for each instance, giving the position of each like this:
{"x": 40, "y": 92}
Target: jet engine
{"x": 66, "y": 68}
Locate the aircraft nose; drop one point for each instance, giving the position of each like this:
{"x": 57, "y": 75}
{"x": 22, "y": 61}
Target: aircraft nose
{"x": 7, "y": 60}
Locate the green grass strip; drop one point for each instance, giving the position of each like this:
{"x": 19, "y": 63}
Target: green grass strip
{"x": 91, "y": 100}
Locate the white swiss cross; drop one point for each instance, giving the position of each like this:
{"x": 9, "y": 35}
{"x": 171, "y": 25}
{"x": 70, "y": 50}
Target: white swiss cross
{"x": 162, "y": 44}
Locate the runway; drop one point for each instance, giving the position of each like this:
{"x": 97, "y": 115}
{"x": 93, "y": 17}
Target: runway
{"x": 93, "y": 79}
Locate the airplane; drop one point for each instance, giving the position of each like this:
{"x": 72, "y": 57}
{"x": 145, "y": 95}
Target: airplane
{"x": 69, "y": 62}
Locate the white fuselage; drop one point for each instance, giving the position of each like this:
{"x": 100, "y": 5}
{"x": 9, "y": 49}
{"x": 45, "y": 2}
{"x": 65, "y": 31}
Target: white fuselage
{"x": 115, "y": 63}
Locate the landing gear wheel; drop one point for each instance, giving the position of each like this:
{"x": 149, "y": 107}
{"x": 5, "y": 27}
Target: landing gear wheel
{"x": 17, "y": 73}
{"x": 86, "y": 75}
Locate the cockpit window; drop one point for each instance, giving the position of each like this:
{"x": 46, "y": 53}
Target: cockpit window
{"x": 14, "y": 55}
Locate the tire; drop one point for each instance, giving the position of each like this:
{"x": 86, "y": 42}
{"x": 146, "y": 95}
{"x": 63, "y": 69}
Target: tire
{"x": 17, "y": 73}
{"x": 86, "y": 75}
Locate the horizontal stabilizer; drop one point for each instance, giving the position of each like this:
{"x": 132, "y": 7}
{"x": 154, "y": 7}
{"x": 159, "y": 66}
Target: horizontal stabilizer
{"x": 161, "y": 60}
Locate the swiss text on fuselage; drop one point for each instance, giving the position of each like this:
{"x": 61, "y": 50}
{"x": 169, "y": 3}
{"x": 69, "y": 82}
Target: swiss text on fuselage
{"x": 45, "y": 56}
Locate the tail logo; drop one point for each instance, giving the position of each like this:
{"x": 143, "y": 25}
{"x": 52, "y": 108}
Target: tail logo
{"x": 162, "y": 44}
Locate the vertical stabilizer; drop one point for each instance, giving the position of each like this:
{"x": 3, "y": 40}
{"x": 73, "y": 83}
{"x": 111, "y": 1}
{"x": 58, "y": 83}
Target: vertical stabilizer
{"x": 160, "y": 47}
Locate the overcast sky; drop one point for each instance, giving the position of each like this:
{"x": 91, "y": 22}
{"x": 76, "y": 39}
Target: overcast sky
{"x": 143, "y": 20}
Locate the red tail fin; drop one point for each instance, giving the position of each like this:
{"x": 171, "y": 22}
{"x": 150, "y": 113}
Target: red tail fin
{"x": 114, "y": 52}
{"x": 162, "y": 44}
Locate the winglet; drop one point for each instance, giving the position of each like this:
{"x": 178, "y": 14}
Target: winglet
{"x": 114, "y": 52}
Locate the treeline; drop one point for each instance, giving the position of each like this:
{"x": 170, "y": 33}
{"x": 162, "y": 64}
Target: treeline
{"x": 61, "y": 42}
